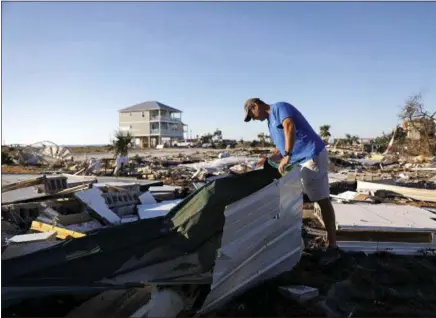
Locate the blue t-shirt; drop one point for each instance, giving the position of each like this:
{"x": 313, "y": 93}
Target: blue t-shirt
{"x": 307, "y": 142}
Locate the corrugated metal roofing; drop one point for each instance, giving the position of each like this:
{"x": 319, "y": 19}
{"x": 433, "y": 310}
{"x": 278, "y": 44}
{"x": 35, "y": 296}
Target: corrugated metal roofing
{"x": 148, "y": 106}
{"x": 261, "y": 239}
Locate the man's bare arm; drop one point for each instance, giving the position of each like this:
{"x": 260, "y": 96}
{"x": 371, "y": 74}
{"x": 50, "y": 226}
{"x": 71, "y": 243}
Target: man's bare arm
{"x": 275, "y": 156}
{"x": 289, "y": 130}
{"x": 275, "y": 151}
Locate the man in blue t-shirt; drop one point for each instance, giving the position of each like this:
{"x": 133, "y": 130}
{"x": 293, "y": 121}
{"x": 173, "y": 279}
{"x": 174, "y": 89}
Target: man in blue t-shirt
{"x": 297, "y": 143}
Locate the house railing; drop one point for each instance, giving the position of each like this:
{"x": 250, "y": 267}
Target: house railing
{"x": 166, "y": 132}
{"x": 165, "y": 118}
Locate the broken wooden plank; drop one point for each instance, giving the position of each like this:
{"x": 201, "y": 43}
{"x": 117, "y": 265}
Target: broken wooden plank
{"x": 398, "y": 248}
{"x": 413, "y": 193}
{"x": 60, "y": 232}
{"x": 23, "y": 184}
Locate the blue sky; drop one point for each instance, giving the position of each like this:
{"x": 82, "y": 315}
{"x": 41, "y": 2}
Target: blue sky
{"x": 67, "y": 67}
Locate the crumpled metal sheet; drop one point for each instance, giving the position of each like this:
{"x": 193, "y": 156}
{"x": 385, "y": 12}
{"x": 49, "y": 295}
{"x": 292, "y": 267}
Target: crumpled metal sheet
{"x": 261, "y": 239}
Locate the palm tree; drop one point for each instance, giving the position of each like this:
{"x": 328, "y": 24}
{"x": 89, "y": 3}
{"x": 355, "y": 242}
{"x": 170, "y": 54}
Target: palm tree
{"x": 261, "y": 137}
{"x": 218, "y": 133}
{"x": 206, "y": 138}
{"x": 355, "y": 140}
{"x": 268, "y": 139}
{"x": 324, "y": 132}
{"x": 122, "y": 143}
{"x": 348, "y": 139}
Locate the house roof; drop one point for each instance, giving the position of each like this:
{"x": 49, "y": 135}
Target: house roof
{"x": 148, "y": 106}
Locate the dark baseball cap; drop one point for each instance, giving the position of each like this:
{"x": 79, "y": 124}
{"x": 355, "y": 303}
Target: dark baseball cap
{"x": 248, "y": 105}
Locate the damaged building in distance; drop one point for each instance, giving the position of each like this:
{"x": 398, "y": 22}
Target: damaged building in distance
{"x": 152, "y": 123}
{"x": 417, "y": 129}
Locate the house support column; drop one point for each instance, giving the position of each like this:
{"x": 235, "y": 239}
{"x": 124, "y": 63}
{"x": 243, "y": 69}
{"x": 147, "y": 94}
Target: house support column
{"x": 142, "y": 142}
{"x": 159, "y": 141}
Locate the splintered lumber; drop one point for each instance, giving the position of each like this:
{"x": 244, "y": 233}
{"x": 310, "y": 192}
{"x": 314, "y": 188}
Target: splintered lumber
{"x": 23, "y": 184}
{"x": 60, "y": 232}
{"x": 413, "y": 193}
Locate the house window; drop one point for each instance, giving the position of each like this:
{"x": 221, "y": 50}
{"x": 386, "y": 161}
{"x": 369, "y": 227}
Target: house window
{"x": 130, "y": 127}
{"x": 143, "y": 114}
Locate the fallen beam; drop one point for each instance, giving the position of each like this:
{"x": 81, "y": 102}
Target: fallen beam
{"x": 23, "y": 184}
{"x": 413, "y": 193}
{"x": 60, "y": 232}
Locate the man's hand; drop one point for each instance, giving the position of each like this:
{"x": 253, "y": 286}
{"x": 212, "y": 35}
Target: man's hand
{"x": 283, "y": 163}
{"x": 261, "y": 161}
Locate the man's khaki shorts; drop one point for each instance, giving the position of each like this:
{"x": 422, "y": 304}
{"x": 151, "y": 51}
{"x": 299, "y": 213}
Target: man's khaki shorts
{"x": 314, "y": 176}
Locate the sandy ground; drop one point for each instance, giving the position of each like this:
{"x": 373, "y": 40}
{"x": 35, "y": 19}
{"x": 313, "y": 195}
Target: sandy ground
{"x": 147, "y": 152}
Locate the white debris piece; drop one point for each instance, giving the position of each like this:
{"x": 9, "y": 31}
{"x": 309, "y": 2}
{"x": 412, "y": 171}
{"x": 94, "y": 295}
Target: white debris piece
{"x": 164, "y": 188}
{"x": 346, "y": 196}
{"x": 224, "y": 154}
{"x": 93, "y": 199}
{"x": 351, "y": 196}
{"x": 299, "y": 293}
{"x": 241, "y": 168}
{"x": 34, "y": 237}
{"x": 94, "y": 165}
{"x": 154, "y": 210}
{"x": 404, "y": 176}
{"x": 163, "y": 303}
{"x": 147, "y": 198}
{"x": 119, "y": 184}
{"x": 119, "y": 162}
{"x": 336, "y": 177}
{"x": 85, "y": 226}
{"x": 218, "y": 164}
